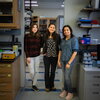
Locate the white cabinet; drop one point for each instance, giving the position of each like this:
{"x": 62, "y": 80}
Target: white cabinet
{"x": 89, "y": 83}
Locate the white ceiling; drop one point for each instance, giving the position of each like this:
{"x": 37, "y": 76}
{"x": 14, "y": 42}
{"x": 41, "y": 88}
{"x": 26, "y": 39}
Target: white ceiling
{"x": 49, "y": 3}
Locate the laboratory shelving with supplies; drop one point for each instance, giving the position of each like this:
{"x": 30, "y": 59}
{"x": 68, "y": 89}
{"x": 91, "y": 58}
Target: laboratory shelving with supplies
{"x": 88, "y": 45}
{"x": 87, "y": 22}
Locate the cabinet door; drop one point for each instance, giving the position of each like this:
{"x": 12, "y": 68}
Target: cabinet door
{"x": 4, "y": 68}
{"x": 92, "y": 94}
{"x": 9, "y": 14}
{"x": 5, "y": 77}
{"x": 5, "y": 96}
{"x": 93, "y": 76}
{"x": 5, "y": 86}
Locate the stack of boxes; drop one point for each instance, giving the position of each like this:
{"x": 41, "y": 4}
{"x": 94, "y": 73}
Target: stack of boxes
{"x": 87, "y": 59}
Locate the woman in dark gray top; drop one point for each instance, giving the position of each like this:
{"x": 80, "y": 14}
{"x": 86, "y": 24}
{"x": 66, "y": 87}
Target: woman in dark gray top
{"x": 50, "y": 51}
{"x": 68, "y": 51}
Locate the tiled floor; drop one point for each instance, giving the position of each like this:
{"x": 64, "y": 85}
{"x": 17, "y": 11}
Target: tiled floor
{"x": 28, "y": 94}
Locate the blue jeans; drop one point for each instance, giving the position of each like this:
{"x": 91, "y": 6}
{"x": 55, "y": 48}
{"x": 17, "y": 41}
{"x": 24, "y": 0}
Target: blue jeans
{"x": 67, "y": 77}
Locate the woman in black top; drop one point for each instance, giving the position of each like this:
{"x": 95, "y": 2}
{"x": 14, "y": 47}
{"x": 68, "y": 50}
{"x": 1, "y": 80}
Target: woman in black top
{"x": 50, "y": 51}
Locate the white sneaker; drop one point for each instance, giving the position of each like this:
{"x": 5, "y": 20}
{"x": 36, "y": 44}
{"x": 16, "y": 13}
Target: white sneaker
{"x": 63, "y": 94}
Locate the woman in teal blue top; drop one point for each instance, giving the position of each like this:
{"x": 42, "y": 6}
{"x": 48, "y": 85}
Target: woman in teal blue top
{"x": 67, "y": 54}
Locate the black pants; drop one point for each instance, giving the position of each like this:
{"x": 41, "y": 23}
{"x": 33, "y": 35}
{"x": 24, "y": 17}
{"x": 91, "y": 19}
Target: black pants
{"x": 50, "y": 68}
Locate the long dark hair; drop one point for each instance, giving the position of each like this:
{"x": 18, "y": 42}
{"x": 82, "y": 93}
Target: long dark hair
{"x": 37, "y": 34}
{"x": 54, "y": 34}
{"x": 70, "y": 31}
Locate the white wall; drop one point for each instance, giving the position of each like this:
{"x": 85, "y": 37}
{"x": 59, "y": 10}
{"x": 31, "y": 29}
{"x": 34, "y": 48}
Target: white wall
{"x": 72, "y": 13}
{"x": 21, "y": 39}
{"x": 48, "y": 12}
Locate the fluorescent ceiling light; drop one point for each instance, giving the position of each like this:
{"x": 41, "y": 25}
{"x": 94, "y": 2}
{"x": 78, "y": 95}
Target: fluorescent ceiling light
{"x": 27, "y": 4}
{"x": 62, "y": 5}
{"x": 35, "y": 5}
{"x": 27, "y": 1}
{"x": 31, "y": 1}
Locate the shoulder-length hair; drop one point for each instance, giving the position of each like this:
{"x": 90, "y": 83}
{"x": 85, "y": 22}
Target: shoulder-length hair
{"x": 37, "y": 34}
{"x": 54, "y": 34}
{"x": 70, "y": 31}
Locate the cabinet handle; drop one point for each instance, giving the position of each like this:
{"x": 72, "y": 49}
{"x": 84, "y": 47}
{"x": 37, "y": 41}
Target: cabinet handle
{"x": 9, "y": 75}
{"x": 4, "y": 75}
{"x": 9, "y": 66}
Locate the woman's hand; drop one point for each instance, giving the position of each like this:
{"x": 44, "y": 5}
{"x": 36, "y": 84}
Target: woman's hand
{"x": 44, "y": 54}
{"x": 28, "y": 60}
{"x": 67, "y": 66}
{"x": 59, "y": 64}
{"x": 41, "y": 51}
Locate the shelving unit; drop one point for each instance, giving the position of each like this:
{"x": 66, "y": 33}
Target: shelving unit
{"x": 43, "y": 22}
{"x": 35, "y": 20}
{"x": 88, "y": 23}
{"x": 9, "y": 14}
{"x": 88, "y": 47}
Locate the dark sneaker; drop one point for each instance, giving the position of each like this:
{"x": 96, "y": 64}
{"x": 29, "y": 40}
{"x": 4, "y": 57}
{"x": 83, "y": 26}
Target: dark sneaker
{"x": 35, "y": 88}
{"x": 53, "y": 89}
{"x": 47, "y": 89}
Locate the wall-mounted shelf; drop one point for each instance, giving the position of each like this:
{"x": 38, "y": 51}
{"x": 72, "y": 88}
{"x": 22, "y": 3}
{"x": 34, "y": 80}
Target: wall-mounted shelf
{"x": 87, "y": 22}
{"x": 89, "y": 27}
{"x": 9, "y": 44}
{"x": 90, "y": 9}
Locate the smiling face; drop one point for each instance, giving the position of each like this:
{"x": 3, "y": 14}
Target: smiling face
{"x": 34, "y": 28}
{"x": 51, "y": 28}
{"x": 67, "y": 31}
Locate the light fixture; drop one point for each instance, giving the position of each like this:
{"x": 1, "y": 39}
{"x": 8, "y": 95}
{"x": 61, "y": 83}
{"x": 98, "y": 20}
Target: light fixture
{"x": 35, "y": 5}
{"x": 27, "y": 4}
{"x": 31, "y": 1}
{"x": 62, "y": 5}
{"x": 27, "y": 1}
